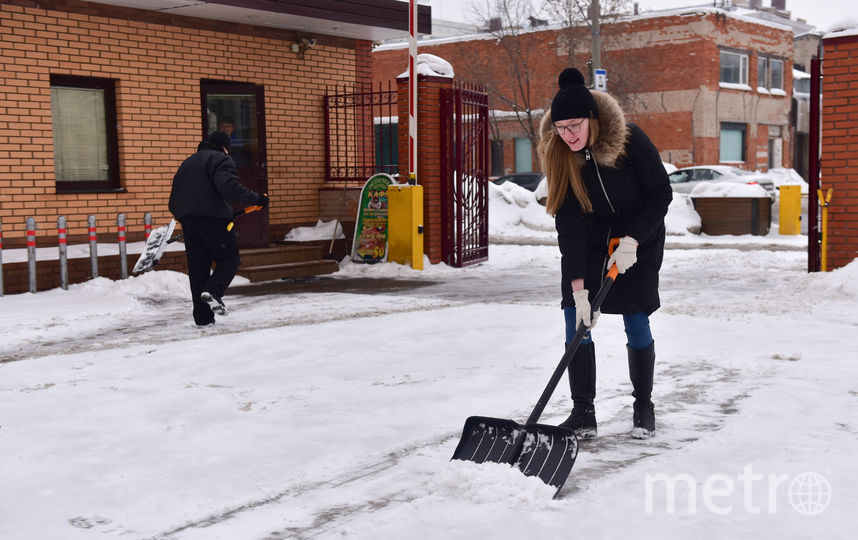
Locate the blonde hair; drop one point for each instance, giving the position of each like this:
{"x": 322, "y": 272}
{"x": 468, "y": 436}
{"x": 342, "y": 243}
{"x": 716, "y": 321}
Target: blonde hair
{"x": 562, "y": 168}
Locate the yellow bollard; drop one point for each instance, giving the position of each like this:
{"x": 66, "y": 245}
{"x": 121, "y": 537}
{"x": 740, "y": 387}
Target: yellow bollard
{"x": 405, "y": 225}
{"x": 823, "y": 259}
{"x": 789, "y": 215}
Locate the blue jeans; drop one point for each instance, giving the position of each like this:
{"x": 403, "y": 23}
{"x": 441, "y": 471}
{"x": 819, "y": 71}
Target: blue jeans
{"x": 637, "y": 329}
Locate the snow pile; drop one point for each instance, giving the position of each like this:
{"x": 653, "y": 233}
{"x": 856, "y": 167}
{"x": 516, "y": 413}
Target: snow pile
{"x": 350, "y": 269}
{"x": 781, "y": 177}
{"x": 727, "y": 189}
{"x": 482, "y": 483}
{"x": 515, "y": 214}
{"x": 682, "y": 218}
{"x": 431, "y": 66}
{"x": 323, "y": 230}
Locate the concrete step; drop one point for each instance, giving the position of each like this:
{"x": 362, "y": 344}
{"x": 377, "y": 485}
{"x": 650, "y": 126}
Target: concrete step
{"x": 298, "y": 269}
{"x": 280, "y": 254}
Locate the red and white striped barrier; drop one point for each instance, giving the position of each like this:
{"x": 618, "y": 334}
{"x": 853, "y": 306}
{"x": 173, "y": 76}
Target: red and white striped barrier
{"x": 412, "y": 93}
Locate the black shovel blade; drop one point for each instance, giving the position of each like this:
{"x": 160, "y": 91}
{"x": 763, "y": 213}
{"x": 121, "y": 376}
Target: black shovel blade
{"x": 548, "y": 452}
{"x": 490, "y": 439}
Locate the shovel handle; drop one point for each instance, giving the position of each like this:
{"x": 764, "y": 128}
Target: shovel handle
{"x": 576, "y": 341}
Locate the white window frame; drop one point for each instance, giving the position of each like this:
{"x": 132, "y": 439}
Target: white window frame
{"x": 766, "y": 85}
{"x": 743, "y": 69}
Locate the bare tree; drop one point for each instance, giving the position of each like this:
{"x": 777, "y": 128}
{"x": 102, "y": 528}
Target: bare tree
{"x": 510, "y": 22}
{"x": 576, "y": 18}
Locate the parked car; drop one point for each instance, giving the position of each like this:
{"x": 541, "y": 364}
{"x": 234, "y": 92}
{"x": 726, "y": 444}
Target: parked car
{"x": 686, "y": 179}
{"x": 527, "y": 180}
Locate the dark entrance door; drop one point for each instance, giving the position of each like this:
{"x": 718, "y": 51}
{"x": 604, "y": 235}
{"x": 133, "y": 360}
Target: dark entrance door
{"x": 238, "y": 109}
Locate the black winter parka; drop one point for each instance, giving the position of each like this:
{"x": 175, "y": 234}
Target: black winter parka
{"x": 205, "y": 182}
{"x": 630, "y": 192}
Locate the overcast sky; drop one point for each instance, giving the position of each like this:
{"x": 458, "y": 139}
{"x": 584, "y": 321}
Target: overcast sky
{"x": 820, "y": 13}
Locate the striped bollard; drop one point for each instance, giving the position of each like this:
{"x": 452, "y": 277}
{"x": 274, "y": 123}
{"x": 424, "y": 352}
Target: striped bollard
{"x": 64, "y": 259}
{"x": 123, "y": 263}
{"x": 93, "y": 246}
{"x": 147, "y": 225}
{"x": 31, "y": 253}
{"x": 1, "y": 258}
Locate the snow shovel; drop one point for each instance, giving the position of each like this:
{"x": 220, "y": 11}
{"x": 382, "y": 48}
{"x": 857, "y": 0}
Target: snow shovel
{"x": 160, "y": 237}
{"x": 547, "y": 452}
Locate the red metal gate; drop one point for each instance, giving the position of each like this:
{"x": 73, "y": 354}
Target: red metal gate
{"x": 465, "y": 174}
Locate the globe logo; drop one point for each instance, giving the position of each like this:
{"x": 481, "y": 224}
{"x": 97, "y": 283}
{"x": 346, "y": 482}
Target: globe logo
{"x": 809, "y": 493}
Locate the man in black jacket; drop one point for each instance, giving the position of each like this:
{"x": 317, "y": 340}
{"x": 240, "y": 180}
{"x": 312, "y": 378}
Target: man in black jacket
{"x": 202, "y": 187}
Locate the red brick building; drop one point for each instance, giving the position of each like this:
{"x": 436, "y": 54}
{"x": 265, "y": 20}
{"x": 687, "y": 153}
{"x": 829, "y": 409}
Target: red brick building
{"x": 155, "y": 81}
{"x": 839, "y": 158}
{"x": 707, "y": 85}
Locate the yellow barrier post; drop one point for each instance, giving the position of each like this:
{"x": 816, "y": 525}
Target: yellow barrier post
{"x": 823, "y": 201}
{"x": 405, "y": 225}
{"x": 789, "y": 215}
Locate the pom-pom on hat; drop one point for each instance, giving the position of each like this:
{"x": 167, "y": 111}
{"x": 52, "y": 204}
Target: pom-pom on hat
{"x": 218, "y": 139}
{"x": 574, "y": 99}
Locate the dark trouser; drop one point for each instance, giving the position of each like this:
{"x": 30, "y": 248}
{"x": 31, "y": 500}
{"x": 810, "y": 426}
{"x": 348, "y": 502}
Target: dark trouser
{"x": 207, "y": 241}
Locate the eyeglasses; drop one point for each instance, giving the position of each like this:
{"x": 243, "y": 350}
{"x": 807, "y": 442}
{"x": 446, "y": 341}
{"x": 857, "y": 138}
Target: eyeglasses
{"x": 571, "y": 129}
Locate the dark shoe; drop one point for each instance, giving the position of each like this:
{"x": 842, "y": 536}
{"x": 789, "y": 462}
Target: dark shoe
{"x": 215, "y": 303}
{"x": 582, "y": 420}
{"x": 644, "y": 420}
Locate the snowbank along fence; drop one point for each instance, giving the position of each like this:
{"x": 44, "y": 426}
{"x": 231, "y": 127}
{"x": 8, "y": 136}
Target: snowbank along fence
{"x": 43, "y": 274}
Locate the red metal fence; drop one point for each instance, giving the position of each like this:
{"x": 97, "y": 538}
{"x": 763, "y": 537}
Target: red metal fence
{"x": 361, "y": 132}
{"x": 465, "y": 174}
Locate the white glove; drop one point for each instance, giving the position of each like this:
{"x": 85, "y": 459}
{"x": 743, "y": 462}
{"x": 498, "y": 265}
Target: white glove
{"x": 582, "y": 309}
{"x": 626, "y": 254}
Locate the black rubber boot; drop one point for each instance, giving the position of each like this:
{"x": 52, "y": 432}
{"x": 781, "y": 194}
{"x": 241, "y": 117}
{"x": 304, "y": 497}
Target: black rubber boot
{"x": 582, "y": 383}
{"x": 641, "y": 369}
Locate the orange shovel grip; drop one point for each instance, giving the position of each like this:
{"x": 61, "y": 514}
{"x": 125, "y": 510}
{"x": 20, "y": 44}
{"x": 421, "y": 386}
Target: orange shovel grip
{"x": 612, "y": 245}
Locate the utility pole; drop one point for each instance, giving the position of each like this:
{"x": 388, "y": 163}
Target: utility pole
{"x": 594, "y": 30}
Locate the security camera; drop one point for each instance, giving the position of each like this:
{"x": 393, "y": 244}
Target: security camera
{"x": 312, "y": 42}
{"x": 308, "y": 43}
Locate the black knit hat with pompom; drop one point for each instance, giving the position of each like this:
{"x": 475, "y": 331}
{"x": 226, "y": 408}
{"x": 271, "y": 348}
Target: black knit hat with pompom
{"x": 573, "y": 100}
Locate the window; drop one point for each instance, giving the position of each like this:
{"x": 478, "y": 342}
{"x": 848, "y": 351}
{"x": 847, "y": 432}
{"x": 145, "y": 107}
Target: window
{"x": 763, "y": 72}
{"x": 497, "y": 157}
{"x": 770, "y": 73}
{"x": 776, "y": 74}
{"x": 732, "y": 143}
{"x": 523, "y": 153}
{"x": 801, "y": 85}
{"x": 83, "y": 112}
{"x": 734, "y": 68}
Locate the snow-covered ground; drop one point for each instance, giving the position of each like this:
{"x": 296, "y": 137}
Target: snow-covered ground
{"x": 330, "y": 408}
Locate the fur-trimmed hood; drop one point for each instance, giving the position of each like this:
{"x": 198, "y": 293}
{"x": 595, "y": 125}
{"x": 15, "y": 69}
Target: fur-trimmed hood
{"x": 610, "y": 146}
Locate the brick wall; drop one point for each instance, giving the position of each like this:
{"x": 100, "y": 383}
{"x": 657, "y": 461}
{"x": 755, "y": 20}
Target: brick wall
{"x": 839, "y": 159}
{"x": 664, "y": 71}
{"x": 157, "y": 62}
